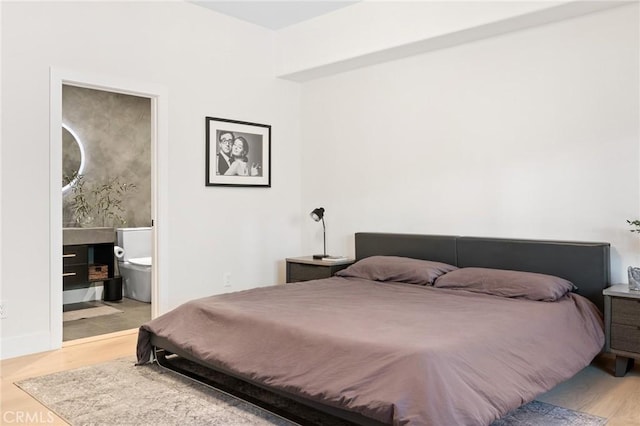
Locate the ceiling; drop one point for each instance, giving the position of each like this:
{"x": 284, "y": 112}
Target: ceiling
{"x": 274, "y": 14}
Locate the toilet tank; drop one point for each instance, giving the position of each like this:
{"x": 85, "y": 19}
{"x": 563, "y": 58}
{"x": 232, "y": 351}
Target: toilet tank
{"x": 136, "y": 242}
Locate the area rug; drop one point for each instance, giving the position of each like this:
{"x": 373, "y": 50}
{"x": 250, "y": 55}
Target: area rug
{"x": 119, "y": 393}
{"x": 89, "y": 313}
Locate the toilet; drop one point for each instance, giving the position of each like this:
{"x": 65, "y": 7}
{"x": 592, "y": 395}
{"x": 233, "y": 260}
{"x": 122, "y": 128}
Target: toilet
{"x": 135, "y": 262}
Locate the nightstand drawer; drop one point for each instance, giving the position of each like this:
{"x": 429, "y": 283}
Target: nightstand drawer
{"x": 306, "y": 268}
{"x": 625, "y": 311}
{"x": 625, "y": 338}
{"x": 304, "y": 272}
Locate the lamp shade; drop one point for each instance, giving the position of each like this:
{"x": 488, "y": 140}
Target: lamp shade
{"x": 317, "y": 214}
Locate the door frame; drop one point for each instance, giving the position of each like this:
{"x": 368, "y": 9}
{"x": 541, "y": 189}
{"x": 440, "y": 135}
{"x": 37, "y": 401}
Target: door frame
{"x": 158, "y": 95}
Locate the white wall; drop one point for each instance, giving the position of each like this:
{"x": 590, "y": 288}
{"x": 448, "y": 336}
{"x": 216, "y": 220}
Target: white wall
{"x": 370, "y": 26}
{"x": 532, "y": 134}
{"x": 373, "y": 32}
{"x": 211, "y": 65}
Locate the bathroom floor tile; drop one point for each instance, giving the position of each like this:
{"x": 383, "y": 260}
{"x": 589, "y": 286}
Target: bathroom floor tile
{"x": 80, "y": 305}
{"x": 134, "y": 314}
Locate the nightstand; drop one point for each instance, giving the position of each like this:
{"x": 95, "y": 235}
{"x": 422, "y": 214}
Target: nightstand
{"x": 622, "y": 326}
{"x": 307, "y": 268}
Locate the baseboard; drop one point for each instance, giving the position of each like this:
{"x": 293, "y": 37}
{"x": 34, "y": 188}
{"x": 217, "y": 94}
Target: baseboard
{"x": 11, "y": 347}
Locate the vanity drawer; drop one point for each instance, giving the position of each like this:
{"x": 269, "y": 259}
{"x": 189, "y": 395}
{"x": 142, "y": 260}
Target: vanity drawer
{"x": 72, "y": 274}
{"x": 625, "y": 311}
{"x": 74, "y": 255}
{"x": 625, "y": 338}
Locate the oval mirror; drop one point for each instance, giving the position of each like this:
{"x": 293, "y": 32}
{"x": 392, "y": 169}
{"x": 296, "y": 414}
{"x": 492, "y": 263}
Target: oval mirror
{"x": 72, "y": 158}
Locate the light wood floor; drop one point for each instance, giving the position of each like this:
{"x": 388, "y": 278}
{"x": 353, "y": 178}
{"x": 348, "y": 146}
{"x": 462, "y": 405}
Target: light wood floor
{"x": 74, "y": 354}
{"x": 594, "y": 390}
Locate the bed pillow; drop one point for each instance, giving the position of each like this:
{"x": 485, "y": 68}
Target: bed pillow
{"x": 500, "y": 282}
{"x": 397, "y": 269}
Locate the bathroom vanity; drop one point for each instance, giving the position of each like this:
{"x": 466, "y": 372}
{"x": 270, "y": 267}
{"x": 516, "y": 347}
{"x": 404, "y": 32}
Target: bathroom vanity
{"x": 87, "y": 259}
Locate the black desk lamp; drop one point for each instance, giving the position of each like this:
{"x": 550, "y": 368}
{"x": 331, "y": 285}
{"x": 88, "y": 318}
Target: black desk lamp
{"x": 318, "y": 215}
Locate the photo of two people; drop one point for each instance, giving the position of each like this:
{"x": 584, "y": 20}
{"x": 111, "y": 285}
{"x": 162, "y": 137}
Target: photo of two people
{"x": 238, "y": 153}
{"x": 234, "y": 152}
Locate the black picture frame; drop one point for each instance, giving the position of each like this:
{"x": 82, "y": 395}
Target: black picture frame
{"x": 248, "y": 160}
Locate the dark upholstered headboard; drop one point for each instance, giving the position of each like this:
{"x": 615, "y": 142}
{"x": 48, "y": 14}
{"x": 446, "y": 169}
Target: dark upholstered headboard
{"x": 586, "y": 264}
{"x": 439, "y": 248}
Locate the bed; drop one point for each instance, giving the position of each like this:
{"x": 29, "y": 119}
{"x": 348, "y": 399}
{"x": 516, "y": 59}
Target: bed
{"x": 398, "y": 349}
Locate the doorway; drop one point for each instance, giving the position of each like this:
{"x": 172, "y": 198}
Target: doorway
{"x": 106, "y": 186}
{"x": 155, "y": 97}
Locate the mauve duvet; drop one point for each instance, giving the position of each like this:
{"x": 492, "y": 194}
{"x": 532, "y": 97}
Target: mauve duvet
{"x": 397, "y": 353}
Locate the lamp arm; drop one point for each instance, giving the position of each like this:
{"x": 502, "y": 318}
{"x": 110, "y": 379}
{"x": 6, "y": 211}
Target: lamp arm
{"x": 324, "y": 237}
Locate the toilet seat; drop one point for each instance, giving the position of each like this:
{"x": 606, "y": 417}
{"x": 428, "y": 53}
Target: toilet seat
{"x": 140, "y": 261}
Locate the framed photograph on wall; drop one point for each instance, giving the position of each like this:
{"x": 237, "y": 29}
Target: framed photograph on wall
{"x": 238, "y": 153}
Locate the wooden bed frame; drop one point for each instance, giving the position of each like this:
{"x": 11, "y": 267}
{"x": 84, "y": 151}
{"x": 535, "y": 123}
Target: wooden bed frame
{"x": 586, "y": 264}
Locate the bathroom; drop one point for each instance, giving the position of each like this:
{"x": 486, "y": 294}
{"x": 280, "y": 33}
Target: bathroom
{"x": 107, "y": 234}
